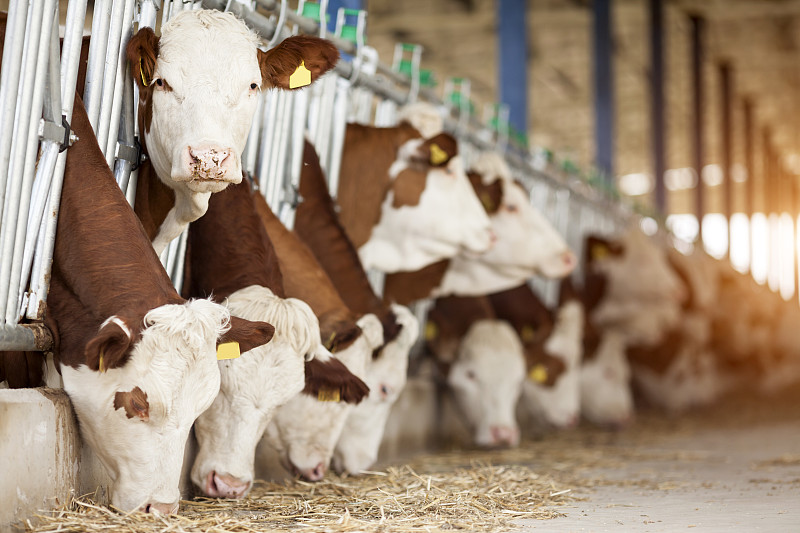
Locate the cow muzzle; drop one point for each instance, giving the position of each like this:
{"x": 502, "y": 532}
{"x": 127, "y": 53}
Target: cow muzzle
{"x": 225, "y": 486}
{"x": 160, "y": 508}
{"x": 208, "y": 163}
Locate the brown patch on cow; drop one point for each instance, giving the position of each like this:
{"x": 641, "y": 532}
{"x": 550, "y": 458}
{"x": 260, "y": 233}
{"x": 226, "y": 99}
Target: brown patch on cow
{"x": 279, "y": 63}
{"x": 658, "y": 357}
{"x": 333, "y": 375}
{"x": 337, "y": 331}
{"x": 408, "y": 187}
{"x": 438, "y": 150}
{"x": 110, "y": 348}
{"x": 134, "y": 402}
{"x": 452, "y": 317}
{"x": 407, "y": 287}
{"x": 248, "y": 333}
{"x": 317, "y": 224}
{"x": 364, "y": 176}
{"x": 154, "y": 199}
{"x": 491, "y": 196}
{"x": 598, "y": 248}
{"x": 142, "y": 52}
{"x": 22, "y": 369}
{"x": 679, "y": 269}
{"x": 540, "y": 364}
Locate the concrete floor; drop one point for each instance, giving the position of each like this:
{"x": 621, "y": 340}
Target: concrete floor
{"x": 729, "y": 468}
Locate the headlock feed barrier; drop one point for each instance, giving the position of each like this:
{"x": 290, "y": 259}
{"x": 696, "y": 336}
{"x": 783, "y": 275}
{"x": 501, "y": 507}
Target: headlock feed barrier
{"x": 39, "y": 80}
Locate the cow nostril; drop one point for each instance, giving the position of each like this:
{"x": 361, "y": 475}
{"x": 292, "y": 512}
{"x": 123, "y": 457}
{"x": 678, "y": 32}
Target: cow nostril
{"x": 147, "y": 508}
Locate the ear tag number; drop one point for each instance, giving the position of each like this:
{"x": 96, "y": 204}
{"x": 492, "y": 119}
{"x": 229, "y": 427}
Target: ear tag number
{"x": 329, "y": 395}
{"x": 301, "y": 77}
{"x": 438, "y": 156}
{"x": 538, "y": 374}
{"x": 228, "y": 350}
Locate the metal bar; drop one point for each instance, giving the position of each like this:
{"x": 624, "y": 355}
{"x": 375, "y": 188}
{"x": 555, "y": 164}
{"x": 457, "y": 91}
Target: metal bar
{"x": 118, "y": 93}
{"x": 725, "y": 135}
{"x": 697, "y": 112}
{"x": 603, "y": 89}
{"x": 658, "y": 102}
{"x": 95, "y": 67}
{"x": 122, "y": 172}
{"x": 25, "y": 337}
{"x": 512, "y": 49}
{"x": 749, "y": 163}
{"x": 113, "y": 64}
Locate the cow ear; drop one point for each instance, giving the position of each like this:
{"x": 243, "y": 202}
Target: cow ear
{"x": 332, "y": 381}
{"x": 134, "y": 403}
{"x": 109, "y": 348}
{"x": 438, "y": 150}
{"x": 248, "y": 333}
{"x": 599, "y": 248}
{"x": 296, "y": 62}
{"x": 142, "y": 51}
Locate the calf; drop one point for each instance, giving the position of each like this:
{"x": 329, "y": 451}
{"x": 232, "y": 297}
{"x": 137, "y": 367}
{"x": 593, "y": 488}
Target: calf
{"x": 137, "y": 361}
{"x": 198, "y": 88}
{"x": 482, "y": 361}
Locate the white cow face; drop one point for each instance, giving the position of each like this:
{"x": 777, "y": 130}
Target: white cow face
{"x": 558, "y": 403}
{"x": 137, "y": 417}
{"x": 199, "y": 86}
{"x": 360, "y": 439}
{"x": 486, "y": 380}
{"x": 252, "y": 387}
{"x": 430, "y": 213}
{"x": 305, "y": 430}
{"x": 606, "y": 398}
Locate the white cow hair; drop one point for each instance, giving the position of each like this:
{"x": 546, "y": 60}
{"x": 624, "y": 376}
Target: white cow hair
{"x": 174, "y": 363}
{"x": 305, "y": 430}
{"x": 426, "y": 118}
{"x": 357, "y": 447}
{"x": 254, "y": 385}
{"x": 492, "y": 352}
{"x": 491, "y": 165}
{"x": 606, "y": 397}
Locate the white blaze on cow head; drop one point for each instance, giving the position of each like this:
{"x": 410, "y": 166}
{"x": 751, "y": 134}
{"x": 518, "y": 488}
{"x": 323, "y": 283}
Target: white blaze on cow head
{"x": 199, "y": 84}
{"x": 137, "y": 416}
{"x": 526, "y": 244}
{"x": 486, "y": 379}
{"x": 557, "y": 402}
{"x": 357, "y": 448}
{"x": 606, "y": 397}
{"x": 305, "y": 430}
{"x": 252, "y": 388}
{"x": 430, "y": 213}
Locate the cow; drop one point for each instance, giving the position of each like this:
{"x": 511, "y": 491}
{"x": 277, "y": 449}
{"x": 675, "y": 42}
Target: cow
{"x": 553, "y": 351}
{"x": 304, "y": 431}
{"x": 405, "y": 200}
{"x": 198, "y": 88}
{"x": 317, "y": 223}
{"x": 138, "y": 361}
{"x": 481, "y": 360}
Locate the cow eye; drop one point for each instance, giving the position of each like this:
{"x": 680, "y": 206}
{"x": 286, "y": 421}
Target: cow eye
{"x": 385, "y": 391}
{"x": 253, "y": 86}
{"x": 470, "y": 374}
{"x": 159, "y": 82}
{"x": 512, "y": 208}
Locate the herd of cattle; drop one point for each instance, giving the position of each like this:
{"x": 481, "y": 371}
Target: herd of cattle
{"x": 278, "y": 335}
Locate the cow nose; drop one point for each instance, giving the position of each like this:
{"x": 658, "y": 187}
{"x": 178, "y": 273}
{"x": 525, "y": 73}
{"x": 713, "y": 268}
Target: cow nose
{"x": 160, "y": 508}
{"x": 572, "y": 421}
{"x": 503, "y": 436}
{"x": 206, "y": 162}
{"x": 313, "y": 474}
{"x": 492, "y": 238}
{"x": 225, "y": 486}
{"x": 569, "y": 260}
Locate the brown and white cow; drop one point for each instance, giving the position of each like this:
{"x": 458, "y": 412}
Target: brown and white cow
{"x": 138, "y": 362}
{"x": 483, "y": 363}
{"x": 405, "y": 200}
{"x": 317, "y": 223}
{"x": 198, "y": 88}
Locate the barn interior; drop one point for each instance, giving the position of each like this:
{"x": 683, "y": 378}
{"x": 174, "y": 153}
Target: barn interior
{"x": 678, "y": 118}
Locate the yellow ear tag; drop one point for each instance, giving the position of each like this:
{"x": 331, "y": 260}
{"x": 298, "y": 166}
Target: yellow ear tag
{"x": 329, "y": 395}
{"x": 599, "y": 251}
{"x": 228, "y": 350}
{"x": 438, "y": 156}
{"x": 329, "y": 344}
{"x": 528, "y": 333}
{"x": 301, "y": 76}
{"x": 100, "y": 364}
{"x": 486, "y": 200}
{"x": 538, "y": 374}
{"x": 431, "y": 331}
{"x": 141, "y": 72}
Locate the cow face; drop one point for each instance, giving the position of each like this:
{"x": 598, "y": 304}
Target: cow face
{"x": 304, "y": 431}
{"x": 430, "y": 213}
{"x": 486, "y": 380}
{"x": 357, "y": 448}
{"x": 252, "y": 387}
{"x": 199, "y": 84}
{"x": 606, "y": 398}
{"x": 137, "y": 416}
{"x": 555, "y": 399}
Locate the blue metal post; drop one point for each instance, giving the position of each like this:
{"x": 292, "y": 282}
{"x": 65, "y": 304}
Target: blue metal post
{"x": 513, "y": 60}
{"x": 333, "y": 8}
{"x": 658, "y": 102}
{"x": 603, "y": 88}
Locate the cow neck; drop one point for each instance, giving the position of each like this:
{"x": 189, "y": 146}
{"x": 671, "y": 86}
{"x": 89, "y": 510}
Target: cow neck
{"x": 690, "y": 303}
{"x": 229, "y": 249}
{"x": 658, "y": 357}
{"x": 153, "y": 199}
{"x": 103, "y": 262}
{"x": 305, "y": 279}
{"x": 448, "y": 321}
{"x": 364, "y": 175}
{"x": 407, "y": 287}
{"x": 318, "y": 225}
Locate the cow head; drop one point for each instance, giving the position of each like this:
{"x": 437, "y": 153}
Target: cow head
{"x": 606, "y": 397}
{"x": 252, "y": 388}
{"x": 150, "y": 384}
{"x": 199, "y": 84}
{"x": 430, "y": 212}
{"x": 486, "y": 379}
{"x": 552, "y": 390}
{"x": 304, "y": 431}
{"x": 357, "y": 448}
